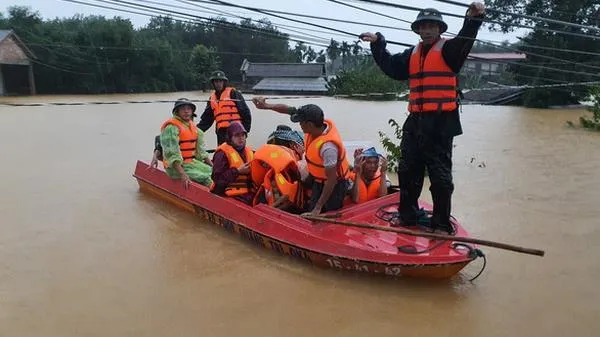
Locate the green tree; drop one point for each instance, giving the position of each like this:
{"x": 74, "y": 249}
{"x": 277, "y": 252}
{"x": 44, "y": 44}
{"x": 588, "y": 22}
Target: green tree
{"x": 202, "y": 62}
{"x": 365, "y": 77}
{"x": 575, "y": 11}
{"x": 94, "y": 54}
{"x": 593, "y": 123}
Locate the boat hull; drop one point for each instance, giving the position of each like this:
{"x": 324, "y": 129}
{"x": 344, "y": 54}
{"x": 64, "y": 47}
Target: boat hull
{"x": 156, "y": 183}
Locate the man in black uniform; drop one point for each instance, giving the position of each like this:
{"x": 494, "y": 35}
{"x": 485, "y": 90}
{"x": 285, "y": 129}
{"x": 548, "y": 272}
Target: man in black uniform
{"x": 432, "y": 69}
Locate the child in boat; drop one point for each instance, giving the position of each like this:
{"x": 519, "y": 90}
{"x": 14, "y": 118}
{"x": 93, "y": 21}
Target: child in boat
{"x": 231, "y": 171}
{"x": 370, "y": 180}
{"x": 183, "y": 150}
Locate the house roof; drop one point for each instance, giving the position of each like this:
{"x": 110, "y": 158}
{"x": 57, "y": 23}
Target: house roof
{"x": 6, "y": 33}
{"x": 498, "y": 56}
{"x": 292, "y": 84}
{"x": 283, "y": 69}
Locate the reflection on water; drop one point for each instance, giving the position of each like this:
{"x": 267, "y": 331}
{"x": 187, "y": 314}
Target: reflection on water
{"x": 83, "y": 253}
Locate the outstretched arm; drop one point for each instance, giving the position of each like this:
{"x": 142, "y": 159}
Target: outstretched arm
{"x": 261, "y": 103}
{"x": 394, "y": 66}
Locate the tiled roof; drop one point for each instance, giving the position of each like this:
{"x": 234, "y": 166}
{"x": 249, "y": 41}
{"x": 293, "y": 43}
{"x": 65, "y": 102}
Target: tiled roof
{"x": 284, "y": 69}
{"x": 292, "y": 84}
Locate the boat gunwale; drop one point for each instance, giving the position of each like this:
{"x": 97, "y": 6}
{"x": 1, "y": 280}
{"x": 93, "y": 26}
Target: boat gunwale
{"x": 265, "y": 214}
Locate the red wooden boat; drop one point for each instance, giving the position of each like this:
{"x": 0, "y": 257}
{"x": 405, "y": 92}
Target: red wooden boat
{"x": 325, "y": 245}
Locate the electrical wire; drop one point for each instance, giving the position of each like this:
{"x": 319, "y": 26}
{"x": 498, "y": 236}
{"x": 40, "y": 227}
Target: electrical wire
{"x": 525, "y": 16}
{"x": 411, "y": 8}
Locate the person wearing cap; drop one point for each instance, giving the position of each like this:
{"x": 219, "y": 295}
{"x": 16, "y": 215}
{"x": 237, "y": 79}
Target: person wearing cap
{"x": 226, "y": 105}
{"x": 325, "y": 155}
{"x": 231, "y": 170}
{"x": 431, "y": 68}
{"x": 370, "y": 180}
{"x": 183, "y": 151}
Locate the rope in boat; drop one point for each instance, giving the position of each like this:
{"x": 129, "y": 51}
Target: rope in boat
{"x": 393, "y": 217}
{"x": 473, "y": 253}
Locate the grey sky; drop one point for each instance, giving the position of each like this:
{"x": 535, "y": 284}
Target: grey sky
{"x": 58, "y": 8}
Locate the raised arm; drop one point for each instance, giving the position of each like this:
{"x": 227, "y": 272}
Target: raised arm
{"x": 261, "y": 103}
{"x": 394, "y": 66}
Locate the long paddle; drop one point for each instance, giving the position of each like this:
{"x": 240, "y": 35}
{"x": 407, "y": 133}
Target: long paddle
{"x": 499, "y": 245}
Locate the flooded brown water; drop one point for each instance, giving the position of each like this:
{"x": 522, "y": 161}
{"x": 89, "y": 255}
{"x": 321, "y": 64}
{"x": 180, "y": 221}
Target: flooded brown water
{"x": 84, "y": 253}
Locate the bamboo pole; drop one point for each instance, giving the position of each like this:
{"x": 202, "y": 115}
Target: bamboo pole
{"x": 499, "y": 245}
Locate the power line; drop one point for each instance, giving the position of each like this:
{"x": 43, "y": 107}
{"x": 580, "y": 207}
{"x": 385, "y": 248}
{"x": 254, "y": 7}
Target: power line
{"x": 372, "y": 12}
{"x": 224, "y": 13}
{"x": 525, "y": 16}
{"x": 310, "y": 17}
{"x": 410, "y": 45}
{"x": 228, "y": 15}
{"x": 294, "y": 20}
{"x": 400, "y": 43}
{"x": 223, "y": 24}
{"x": 411, "y": 8}
{"x": 484, "y": 41}
{"x": 162, "y": 10}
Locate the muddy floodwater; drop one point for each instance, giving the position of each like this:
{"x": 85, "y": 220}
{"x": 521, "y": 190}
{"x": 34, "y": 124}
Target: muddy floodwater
{"x": 84, "y": 253}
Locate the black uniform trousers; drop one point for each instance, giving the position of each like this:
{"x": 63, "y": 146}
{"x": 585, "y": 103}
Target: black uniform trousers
{"x": 426, "y": 144}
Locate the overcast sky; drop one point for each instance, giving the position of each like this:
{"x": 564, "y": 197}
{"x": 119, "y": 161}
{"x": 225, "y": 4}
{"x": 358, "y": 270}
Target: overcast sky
{"x": 50, "y": 9}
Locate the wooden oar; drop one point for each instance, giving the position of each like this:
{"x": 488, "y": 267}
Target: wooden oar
{"x": 499, "y": 245}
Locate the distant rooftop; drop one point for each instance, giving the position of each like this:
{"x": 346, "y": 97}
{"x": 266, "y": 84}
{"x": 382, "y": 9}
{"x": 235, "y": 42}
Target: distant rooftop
{"x": 292, "y": 84}
{"x": 283, "y": 69}
{"x": 498, "y": 56}
{"x": 4, "y": 34}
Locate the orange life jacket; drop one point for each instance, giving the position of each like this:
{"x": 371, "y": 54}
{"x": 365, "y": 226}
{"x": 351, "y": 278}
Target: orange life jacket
{"x": 432, "y": 83}
{"x": 313, "y": 155}
{"x": 370, "y": 192}
{"x": 279, "y": 164}
{"x": 243, "y": 183}
{"x": 224, "y": 109}
{"x": 188, "y": 136}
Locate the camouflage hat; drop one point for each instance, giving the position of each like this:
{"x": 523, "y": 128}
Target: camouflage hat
{"x": 218, "y": 75}
{"x": 432, "y": 15}
{"x": 184, "y": 101}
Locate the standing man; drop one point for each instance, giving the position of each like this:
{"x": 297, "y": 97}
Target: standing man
{"x": 226, "y": 105}
{"x": 431, "y": 68}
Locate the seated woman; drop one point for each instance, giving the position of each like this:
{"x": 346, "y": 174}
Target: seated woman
{"x": 369, "y": 179}
{"x": 231, "y": 171}
{"x": 183, "y": 150}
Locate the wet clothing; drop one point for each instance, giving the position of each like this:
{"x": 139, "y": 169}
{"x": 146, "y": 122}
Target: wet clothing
{"x": 427, "y": 136}
{"x": 223, "y": 175}
{"x": 335, "y": 201}
{"x": 208, "y": 118}
{"x": 197, "y": 169}
{"x": 328, "y": 156}
{"x": 158, "y": 147}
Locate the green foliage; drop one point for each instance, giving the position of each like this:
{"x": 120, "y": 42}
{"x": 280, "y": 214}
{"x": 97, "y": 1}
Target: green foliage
{"x": 202, "y": 62}
{"x": 94, "y": 54}
{"x": 392, "y": 146}
{"x": 365, "y": 77}
{"x": 594, "y": 122}
{"x": 583, "y": 12}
